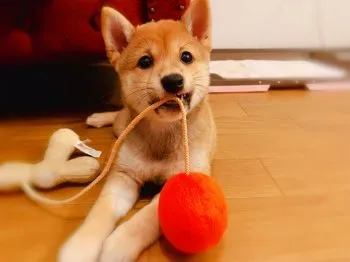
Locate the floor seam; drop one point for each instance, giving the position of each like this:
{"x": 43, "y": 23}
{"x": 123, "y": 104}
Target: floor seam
{"x": 272, "y": 178}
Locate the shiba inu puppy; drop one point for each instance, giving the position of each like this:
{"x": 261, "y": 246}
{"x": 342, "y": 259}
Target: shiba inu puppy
{"x": 155, "y": 60}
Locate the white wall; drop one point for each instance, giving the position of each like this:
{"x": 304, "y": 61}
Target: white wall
{"x": 281, "y": 23}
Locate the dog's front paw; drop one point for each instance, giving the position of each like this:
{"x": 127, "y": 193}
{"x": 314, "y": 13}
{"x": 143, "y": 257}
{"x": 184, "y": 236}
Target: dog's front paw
{"x": 120, "y": 247}
{"x": 96, "y": 120}
{"x": 79, "y": 250}
{"x": 101, "y": 119}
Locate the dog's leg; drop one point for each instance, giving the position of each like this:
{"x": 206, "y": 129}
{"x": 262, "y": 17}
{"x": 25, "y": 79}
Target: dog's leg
{"x": 102, "y": 119}
{"x": 131, "y": 238}
{"x": 128, "y": 241}
{"x": 116, "y": 199}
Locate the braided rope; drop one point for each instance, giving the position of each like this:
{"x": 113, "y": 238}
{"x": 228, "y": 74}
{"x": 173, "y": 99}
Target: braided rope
{"x": 36, "y": 196}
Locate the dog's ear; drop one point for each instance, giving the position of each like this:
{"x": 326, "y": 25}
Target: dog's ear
{"x": 116, "y": 32}
{"x": 197, "y": 20}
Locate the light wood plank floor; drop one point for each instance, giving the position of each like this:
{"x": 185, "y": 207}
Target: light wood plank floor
{"x": 283, "y": 161}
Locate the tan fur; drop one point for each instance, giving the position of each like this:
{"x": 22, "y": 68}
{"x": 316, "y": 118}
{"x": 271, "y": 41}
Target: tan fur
{"x": 153, "y": 150}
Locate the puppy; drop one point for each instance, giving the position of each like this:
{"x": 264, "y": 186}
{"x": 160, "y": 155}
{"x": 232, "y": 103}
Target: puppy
{"x": 155, "y": 60}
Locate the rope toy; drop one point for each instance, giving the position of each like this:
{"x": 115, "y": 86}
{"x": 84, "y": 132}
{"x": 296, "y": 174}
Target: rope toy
{"x": 192, "y": 208}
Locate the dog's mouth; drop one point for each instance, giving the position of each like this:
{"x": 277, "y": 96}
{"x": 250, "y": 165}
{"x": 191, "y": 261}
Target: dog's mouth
{"x": 174, "y": 106}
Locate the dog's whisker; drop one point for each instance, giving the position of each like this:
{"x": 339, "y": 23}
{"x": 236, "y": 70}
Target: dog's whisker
{"x": 196, "y": 73}
{"x": 139, "y": 91}
{"x": 140, "y": 82}
{"x": 141, "y": 88}
{"x": 200, "y": 86}
{"x": 134, "y": 92}
{"x": 200, "y": 77}
{"x": 141, "y": 98}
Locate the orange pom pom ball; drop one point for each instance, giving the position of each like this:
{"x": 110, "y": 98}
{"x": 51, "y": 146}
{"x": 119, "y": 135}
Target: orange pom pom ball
{"x": 192, "y": 212}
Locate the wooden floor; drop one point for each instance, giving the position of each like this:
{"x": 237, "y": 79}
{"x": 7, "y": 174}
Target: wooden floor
{"x": 283, "y": 161}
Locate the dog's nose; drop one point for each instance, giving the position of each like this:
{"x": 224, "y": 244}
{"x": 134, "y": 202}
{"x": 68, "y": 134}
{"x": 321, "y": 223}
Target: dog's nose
{"x": 173, "y": 83}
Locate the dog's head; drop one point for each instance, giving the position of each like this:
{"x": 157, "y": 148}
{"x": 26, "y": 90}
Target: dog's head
{"x": 161, "y": 59}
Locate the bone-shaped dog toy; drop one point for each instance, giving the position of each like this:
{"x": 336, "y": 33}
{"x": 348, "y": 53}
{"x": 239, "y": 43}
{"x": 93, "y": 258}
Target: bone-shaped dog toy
{"x": 54, "y": 169}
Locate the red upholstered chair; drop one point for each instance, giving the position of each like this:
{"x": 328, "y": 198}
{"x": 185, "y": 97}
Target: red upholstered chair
{"x": 54, "y": 30}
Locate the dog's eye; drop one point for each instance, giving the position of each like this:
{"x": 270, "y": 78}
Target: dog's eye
{"x": 186, "y": 57}
{"x": 145, "y": 62}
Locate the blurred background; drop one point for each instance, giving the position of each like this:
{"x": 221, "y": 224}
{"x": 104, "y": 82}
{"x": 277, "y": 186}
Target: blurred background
{"x": 267, "y": 24}
{"x": 55, "y": 47}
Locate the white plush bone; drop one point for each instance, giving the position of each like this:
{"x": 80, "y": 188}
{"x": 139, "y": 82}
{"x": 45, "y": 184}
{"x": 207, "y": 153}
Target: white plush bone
{"x": 54, "y": 169}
